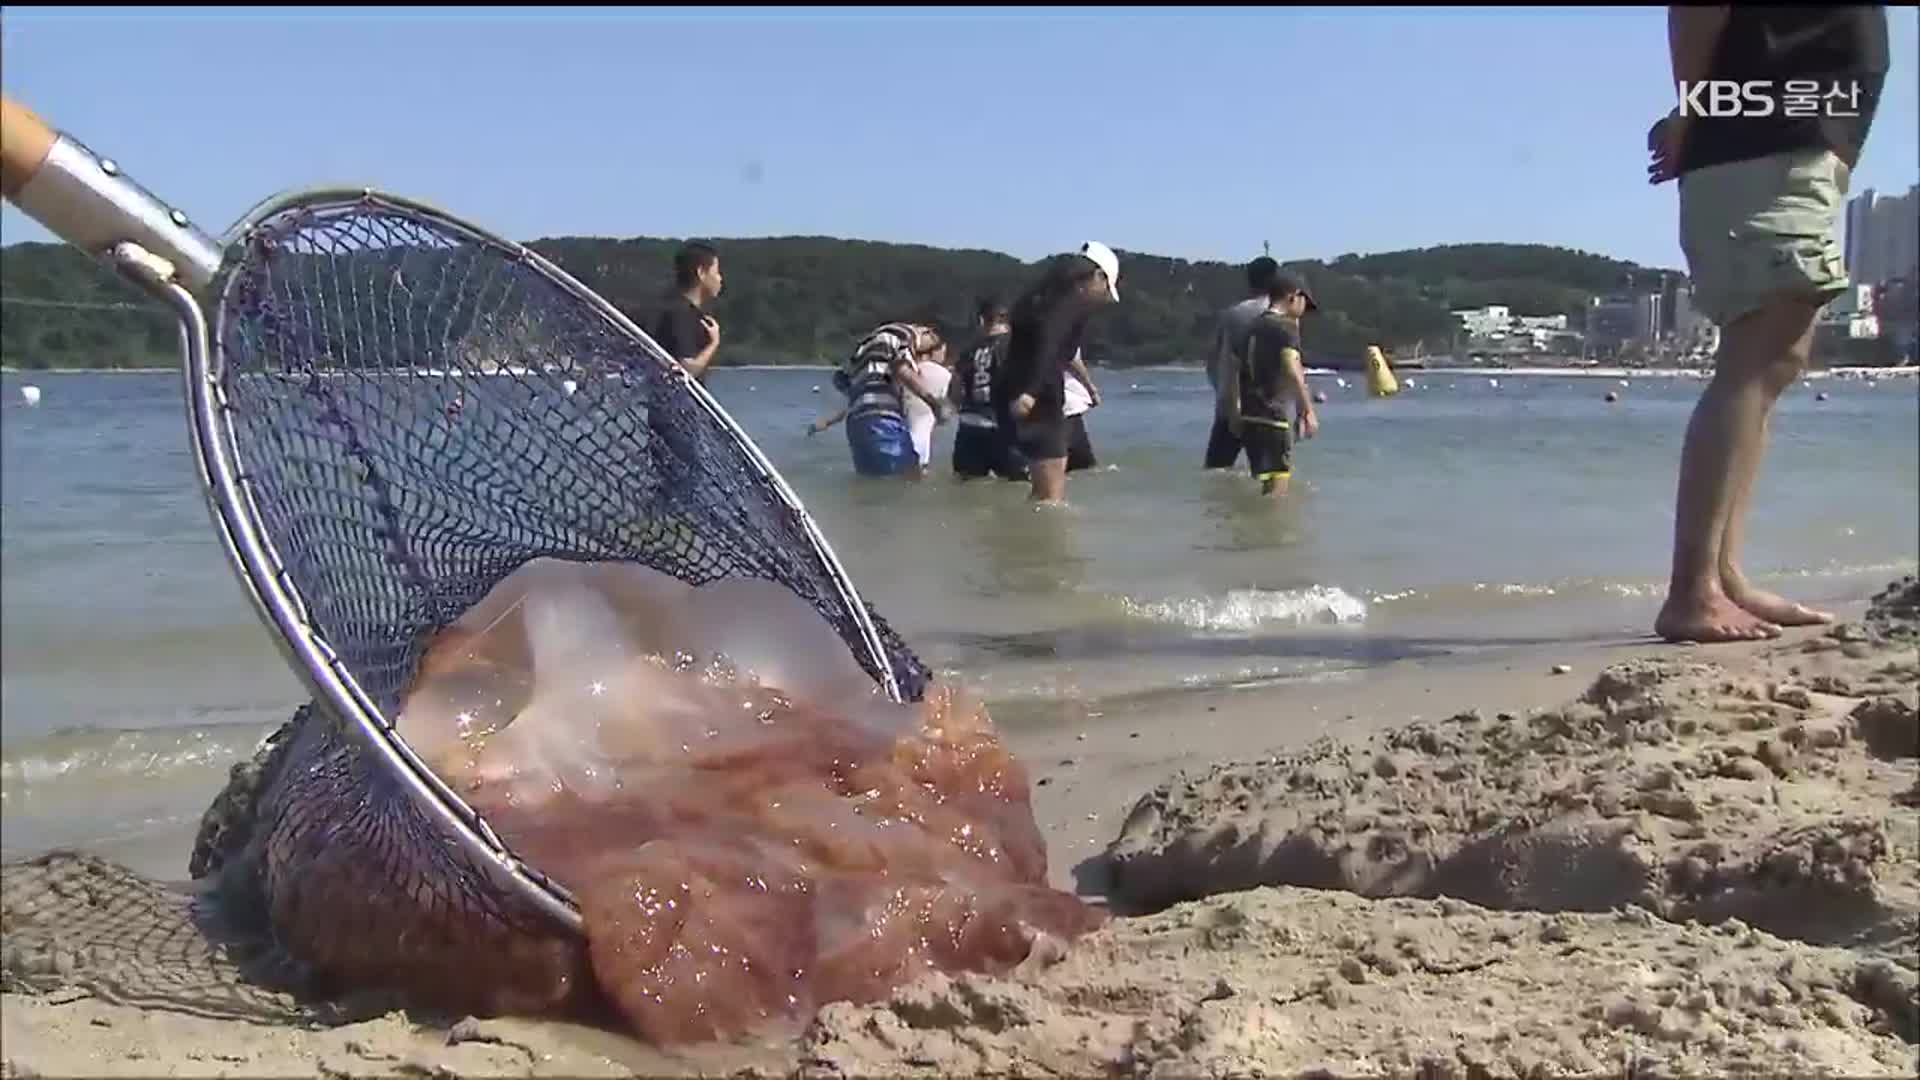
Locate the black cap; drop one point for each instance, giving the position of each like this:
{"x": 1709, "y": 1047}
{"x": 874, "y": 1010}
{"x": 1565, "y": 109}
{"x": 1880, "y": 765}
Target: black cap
{"x": 1288, "y": 281}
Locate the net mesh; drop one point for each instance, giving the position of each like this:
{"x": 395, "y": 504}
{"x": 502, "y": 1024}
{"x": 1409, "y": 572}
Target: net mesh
{"x": 419, "y": 410}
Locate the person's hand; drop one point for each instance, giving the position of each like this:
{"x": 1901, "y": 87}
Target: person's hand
{"x": 1309, "y": 424}
{"x": 942, "y": 411}
{"x": 713, "y": 328}
{"x": 1022, "y": 405}
{"x": 1665, "y": 139}
{"x": 1093, "y": 396}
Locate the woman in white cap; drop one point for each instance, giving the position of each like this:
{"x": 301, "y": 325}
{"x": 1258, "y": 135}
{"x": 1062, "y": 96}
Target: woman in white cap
{"x": 1048, "y": 324}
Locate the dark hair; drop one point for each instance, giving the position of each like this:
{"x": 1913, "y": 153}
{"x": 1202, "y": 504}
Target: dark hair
{"x": 1260, "y": 273}
{"x": 691, "y": 261}
{"x": 989, "y": 309}
{"x": 1063, "y": 274}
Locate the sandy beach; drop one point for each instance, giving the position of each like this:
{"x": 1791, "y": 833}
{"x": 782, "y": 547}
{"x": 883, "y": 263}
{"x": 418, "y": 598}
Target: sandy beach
{"x": 1632, "y": 856}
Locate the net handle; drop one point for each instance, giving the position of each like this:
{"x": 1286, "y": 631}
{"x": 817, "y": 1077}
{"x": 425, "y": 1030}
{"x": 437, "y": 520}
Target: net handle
{"x": 87, "y": 201}
{"x": 25, "y": 142}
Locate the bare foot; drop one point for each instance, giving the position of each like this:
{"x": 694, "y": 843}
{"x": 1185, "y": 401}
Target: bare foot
{"x": 1777, "y": 610}
{"x": 1711, "y": 620}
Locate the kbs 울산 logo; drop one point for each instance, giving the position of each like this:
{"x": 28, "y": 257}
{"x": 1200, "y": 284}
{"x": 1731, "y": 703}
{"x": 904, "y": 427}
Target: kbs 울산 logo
{"x": 1796, "y": 98}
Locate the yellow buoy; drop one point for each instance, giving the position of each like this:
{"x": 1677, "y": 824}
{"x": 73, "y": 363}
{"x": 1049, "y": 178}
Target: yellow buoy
{"x": 1380, "y": 380}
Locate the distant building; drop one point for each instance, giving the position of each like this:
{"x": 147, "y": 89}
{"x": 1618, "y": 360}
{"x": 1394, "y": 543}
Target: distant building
{"x": 1484, "y": 321}
{"x": 1883, "y": 236}
{"x": 1852, "y": 314}
{"x": 1686, "y": 319}
{"x": 1647, "y": 326}
{"x": 1611, "y": 321}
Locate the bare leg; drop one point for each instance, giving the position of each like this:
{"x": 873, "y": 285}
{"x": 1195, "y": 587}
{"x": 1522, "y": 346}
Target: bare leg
{"x": 1275, "y": 486}
{"x": 1049, "y": 476}
{"x": 1767, "y": 606}
{"x": 1760, "y": 356}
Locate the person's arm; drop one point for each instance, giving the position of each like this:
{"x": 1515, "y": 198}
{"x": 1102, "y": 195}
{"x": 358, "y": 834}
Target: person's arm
{"x": 1229, "y": 397}
{"x": 697, "y": 364}
{"x": 1079, "y": 367}
{"x": 1295, "y": 374}
{"x": 1220, "y": 369}
{"x": 824, "y": 423}
{"x": 906, "y": 371}
{"x": 1693, "y": 35}
{"x": 1054, "y": 331}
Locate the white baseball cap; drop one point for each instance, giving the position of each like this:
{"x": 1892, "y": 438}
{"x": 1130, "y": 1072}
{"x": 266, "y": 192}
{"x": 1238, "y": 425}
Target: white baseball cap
{"x": 1103, "y": 257}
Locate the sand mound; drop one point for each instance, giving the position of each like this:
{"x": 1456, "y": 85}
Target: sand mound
{"x": 1290, "y": 982}
{"x": 1673, "y": 786}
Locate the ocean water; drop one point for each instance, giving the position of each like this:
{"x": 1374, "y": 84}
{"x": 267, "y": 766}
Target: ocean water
{"x": 1456, "y": 518}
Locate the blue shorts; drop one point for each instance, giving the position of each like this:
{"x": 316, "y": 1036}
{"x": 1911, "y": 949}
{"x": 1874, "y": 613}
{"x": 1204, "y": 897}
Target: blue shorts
{"x": 881, "y": 445}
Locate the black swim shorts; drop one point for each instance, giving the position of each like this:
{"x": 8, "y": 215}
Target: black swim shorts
{"x": 1269, "y": 449}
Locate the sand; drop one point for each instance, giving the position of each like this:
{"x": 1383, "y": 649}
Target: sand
{"x": 1670, "y": 861}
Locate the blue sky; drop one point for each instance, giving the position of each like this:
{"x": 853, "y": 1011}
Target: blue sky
{"x": 1197, "y": 133}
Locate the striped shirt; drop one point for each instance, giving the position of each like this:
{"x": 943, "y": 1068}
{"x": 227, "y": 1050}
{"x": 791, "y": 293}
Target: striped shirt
{"x": 872, "y": 389}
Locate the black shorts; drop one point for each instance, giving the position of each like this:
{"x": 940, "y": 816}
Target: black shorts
{"x": 979, "y": 451}
{"x": 1043, "y": 438}
{"x": 1269, "y": 449}
{"x": 1079, "y": 447}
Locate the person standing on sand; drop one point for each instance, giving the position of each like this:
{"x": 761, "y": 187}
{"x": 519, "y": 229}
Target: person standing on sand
{"x": 683, "y": 327}
{"x": 1047, "y": 326}
{"x": 1759, "y": 200}
{"x": 1230, "y": 329}
{"x": 1269, "y": 370}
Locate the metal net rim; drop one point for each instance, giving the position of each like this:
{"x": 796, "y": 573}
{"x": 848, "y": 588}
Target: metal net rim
{"x": 267, "y": 581}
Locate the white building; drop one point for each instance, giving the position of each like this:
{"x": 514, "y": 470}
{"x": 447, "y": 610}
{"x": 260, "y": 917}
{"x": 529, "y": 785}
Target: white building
{"x": 1646, "y": 317}
{"x": 1883, "y": 236}
{"x": 1485, "y": 321}
{"x": 1852, "y": 314}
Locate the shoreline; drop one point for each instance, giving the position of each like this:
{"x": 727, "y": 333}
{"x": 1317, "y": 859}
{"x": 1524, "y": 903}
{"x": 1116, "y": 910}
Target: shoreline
{"x": 1467, "y": 984}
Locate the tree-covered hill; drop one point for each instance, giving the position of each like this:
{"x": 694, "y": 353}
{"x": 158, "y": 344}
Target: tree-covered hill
{"x": 805, "y": 299}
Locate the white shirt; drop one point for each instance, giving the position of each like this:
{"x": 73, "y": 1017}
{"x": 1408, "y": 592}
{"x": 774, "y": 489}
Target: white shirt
{"x": 1078, "y": 398}
{"x": 935, "y": 378}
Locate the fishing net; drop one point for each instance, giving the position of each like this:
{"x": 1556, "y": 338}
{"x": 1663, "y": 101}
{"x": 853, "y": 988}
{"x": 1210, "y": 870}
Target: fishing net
{"x": 416, "y": 409}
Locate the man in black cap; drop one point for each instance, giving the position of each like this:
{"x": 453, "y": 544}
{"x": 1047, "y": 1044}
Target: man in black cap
{"x": 1230, "y": 330}
{"x": 1269, "y": 371}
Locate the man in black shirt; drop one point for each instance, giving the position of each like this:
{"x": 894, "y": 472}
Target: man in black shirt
{"x": 683, "y": 327}
{"x": 982, "y": 445}
{"x": 1265, "y": 390}
{"x": 1760, "y": 196}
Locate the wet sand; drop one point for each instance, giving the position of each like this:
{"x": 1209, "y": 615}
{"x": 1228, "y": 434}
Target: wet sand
{"x": 1663, "y": 860}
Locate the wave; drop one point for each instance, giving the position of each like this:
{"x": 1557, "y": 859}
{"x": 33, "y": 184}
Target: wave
{"x": 95, "y": 755}
{"x": 1247, "y": 610}
{"x": 1467, "y": 596}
